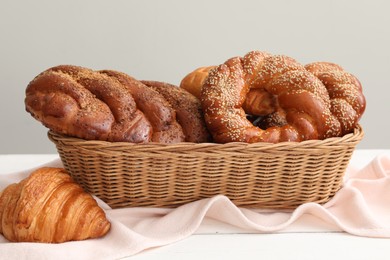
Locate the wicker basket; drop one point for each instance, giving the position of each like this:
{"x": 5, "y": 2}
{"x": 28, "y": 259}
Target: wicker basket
{"x": 260, "y": 175}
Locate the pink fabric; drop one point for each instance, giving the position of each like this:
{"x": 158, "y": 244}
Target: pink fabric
{"x": 361, "y": 208}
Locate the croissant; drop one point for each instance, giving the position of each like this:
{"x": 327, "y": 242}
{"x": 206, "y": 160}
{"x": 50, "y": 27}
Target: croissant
{"x": 48, "y": 206}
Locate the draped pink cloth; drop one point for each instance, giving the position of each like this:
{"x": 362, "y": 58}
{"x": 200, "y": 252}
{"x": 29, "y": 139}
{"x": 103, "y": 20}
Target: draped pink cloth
{"x": 360, "y": 208}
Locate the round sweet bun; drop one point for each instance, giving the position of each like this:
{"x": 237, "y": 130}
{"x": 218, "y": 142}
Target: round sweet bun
{"x": 193, "y": 82}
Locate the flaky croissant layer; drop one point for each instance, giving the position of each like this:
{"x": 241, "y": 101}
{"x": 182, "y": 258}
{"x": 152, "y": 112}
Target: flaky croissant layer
{"x": 48, "y": 206}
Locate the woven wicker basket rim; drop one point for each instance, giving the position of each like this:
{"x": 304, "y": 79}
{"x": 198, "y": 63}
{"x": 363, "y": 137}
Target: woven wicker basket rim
{"x": 168, "y": 175}
{"x": 98, "y": 146}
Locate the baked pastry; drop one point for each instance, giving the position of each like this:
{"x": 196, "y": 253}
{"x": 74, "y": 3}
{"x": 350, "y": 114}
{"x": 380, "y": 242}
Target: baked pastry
{"x": 79, "y": 102}
{"x": 105, "y": 105}
{"x": 302, "y": 101}
{"x": 188, "y": 110}
{"x": 258, "y": 102}
{"x": 156, "y": 108}
{"x": 194, "y": 80}
{"x": 347, "y": 102}
{"x": 48, "y": 206}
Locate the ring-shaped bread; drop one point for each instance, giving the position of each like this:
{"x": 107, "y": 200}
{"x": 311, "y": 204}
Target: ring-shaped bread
{"x": 302, "y": 100}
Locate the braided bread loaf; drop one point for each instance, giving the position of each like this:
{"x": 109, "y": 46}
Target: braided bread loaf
{"x": 188, "y": 110}
{"x": 300, "y": 105}
{"x": 157, "y": 110}
{"x": 347, "y": 102}
{"x": 105, "y": 105}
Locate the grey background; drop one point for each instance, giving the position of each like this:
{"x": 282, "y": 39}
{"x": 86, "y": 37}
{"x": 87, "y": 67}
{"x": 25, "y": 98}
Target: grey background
{"x": 164, "y": 40}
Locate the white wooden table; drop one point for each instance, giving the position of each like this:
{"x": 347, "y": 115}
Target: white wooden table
{"x": 215, "y": 240}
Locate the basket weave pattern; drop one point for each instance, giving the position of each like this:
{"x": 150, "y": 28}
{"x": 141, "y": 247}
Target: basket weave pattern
{"x": 260, "y": 175}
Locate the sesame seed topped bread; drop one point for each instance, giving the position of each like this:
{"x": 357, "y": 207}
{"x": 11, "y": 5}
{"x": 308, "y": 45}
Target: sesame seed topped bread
{"x": 303, "y": 102}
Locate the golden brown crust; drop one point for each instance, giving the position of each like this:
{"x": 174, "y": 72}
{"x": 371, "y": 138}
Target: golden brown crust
{"x": 155, "y": 107}
{"x": 194, "y": 80}
{"x": 101, "y": 105}
{"x": 48, "y": 206}
{"x": 258, "y": 102}
{"x": 65, "y": 106}
{"x": 188, "y": 110}
{"x": 301, "y": 100}
{"x": 80, "y": 102}
{"x": 345, "y": 91}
